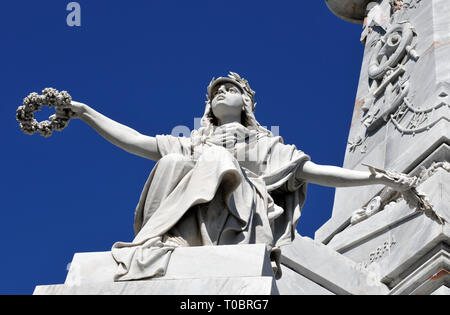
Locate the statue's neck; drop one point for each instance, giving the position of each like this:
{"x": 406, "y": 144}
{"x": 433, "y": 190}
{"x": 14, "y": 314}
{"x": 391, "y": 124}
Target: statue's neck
{"x": 229, "y": 119}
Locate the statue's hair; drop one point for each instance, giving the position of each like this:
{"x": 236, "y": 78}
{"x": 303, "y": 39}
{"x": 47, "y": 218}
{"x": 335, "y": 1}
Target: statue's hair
{"x": 248, "y": 119}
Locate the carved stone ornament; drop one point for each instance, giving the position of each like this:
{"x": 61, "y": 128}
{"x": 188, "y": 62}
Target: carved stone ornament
{"x": 399, "y": 5}
{"x": 388, "y": 84}
{"x": 413, "y": 197}
{"x": 391, "y": 49}
{"x": 379, "y": 252}
{"x": 34, "y": 102}
{"x": 410, "y": 120}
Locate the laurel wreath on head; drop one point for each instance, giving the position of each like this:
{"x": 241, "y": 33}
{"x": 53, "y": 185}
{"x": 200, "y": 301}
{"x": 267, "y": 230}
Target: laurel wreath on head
{"x": 33, "y": 102}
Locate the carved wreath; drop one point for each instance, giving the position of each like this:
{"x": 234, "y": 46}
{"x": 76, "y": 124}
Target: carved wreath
{"x": 34, "y": 102}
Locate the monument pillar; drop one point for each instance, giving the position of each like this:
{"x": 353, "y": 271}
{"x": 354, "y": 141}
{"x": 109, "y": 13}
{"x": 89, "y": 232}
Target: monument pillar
{"x": 401, "y": 122}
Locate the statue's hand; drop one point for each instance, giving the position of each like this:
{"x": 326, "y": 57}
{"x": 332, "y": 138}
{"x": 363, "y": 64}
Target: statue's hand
{"x": 400, "y": 182}
{"x": 397, "y": 181}
{"x": 77, "y": 109}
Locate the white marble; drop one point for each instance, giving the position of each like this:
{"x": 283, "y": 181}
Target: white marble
{"x": 205, "y": 286}
{"x": 401, "y": 122}
{"x": 293, "y": 283}
{"x": 436, "y": 188}
{"x": 427, "y": 275}
{"x": 428, "y": 82}
{"x": 185, "y": 263}
{"x": 329, "y": 269}
{"x": 442, "y": 290}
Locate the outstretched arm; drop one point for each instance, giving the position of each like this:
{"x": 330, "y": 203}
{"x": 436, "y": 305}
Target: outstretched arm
{"x": 120, "y": 135}
{"x": 333, "y": 176}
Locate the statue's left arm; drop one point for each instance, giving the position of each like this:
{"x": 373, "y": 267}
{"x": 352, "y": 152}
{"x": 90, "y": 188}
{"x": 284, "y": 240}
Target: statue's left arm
{"x": 333, "y": 176}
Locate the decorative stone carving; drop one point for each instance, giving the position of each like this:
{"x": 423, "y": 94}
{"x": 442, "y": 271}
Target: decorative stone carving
{"x": 389, "y": 197}
{"x": 409, "y": 120}
{"x": 391, "y": 48}
{"x": 399, "y": 5}
{"x": 388, "y": 84}
{"x": 386, "y": 68}
{"x": 379, "y": 252}
{"x": 427, "y": 173}
{"x": 365, "y": 212}
{"x": 396, "y": 5}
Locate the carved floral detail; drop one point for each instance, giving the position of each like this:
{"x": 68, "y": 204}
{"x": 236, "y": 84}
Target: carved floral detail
{"x": 34, "y": 102}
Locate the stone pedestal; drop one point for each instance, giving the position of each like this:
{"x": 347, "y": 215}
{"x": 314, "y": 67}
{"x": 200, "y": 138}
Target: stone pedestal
{"x": 208, "y": 270}
{"x": 308, "y": 268}
{"x": 401, "y": 122}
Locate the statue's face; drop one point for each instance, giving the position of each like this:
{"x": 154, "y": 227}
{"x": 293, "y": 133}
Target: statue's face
{"x": 227, "y": 102}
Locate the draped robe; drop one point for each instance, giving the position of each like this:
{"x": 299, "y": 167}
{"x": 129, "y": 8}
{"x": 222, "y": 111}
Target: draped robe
{"x": 235, "y": 186}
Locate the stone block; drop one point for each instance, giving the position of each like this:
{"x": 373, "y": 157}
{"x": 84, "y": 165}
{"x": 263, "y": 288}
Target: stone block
{"x": 203, "y": 286}
{"x": 329, "y": 269}
{"x": 428, "y": 274}
{"x": 185, "y": 262}
{"x": 293, "y": 283}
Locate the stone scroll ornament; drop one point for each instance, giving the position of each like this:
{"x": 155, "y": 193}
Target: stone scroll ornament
{"x": 34, "y": 102}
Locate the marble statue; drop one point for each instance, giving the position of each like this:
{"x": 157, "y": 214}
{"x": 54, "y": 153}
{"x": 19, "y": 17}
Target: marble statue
{"x": 231, "y": 182}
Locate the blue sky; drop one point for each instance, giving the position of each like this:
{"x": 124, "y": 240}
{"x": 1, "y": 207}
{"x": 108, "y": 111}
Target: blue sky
{"x": 146, "y": 64}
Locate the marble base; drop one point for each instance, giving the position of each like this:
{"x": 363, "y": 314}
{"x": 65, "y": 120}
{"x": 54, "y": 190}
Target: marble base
{"x": 185, "y": 263}
{"x": 204, "y": 286}
{"x": 206, "y": 270}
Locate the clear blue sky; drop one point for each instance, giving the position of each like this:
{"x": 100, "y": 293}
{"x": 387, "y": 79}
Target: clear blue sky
{"x": 147, "y": 64}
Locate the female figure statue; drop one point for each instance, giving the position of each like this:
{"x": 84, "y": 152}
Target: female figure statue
{"x": 231, "y": 182}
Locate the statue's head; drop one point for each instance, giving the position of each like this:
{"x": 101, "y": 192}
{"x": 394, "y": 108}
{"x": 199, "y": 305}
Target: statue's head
{"x": 230, "y": 95}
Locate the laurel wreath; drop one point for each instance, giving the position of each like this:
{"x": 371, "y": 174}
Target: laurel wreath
{"x": 33, "y": 102}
